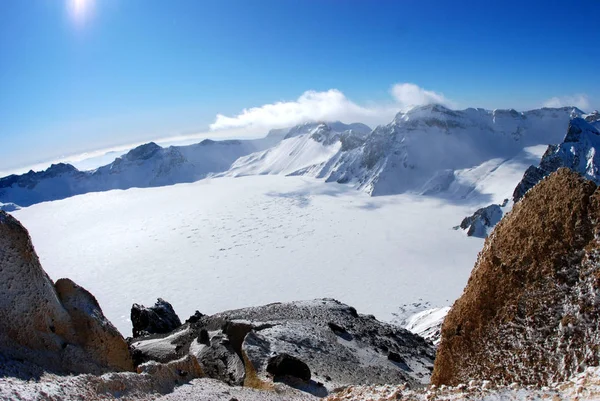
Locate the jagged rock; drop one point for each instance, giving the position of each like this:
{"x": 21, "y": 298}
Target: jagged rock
{"x": 59, "y": 328}
{"x": 218, "y": 358}
{"x": 529, "y": 313}
{"x": 578, "y": 152}
{"x": 160, "y": 318}
{"x": 478, "y": 223}
{"x": 338, "y": 345}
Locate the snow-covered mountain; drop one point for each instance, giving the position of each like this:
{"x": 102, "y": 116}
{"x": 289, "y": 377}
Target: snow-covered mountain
{"x": 305, "y": 150}
{"x": 429, "y": 150}
{"x": 148, "y": 165}
{"x": 578, "y": 152}
{"x": 421, "y": 150}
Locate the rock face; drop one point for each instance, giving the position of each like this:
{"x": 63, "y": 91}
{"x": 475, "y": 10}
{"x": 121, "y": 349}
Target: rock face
{"x": 529, "y": 313}
{"x": 160, "y": 318}
{"x": 308, "y": 342}
{"x": 578, "y": 152}
{"x": 60, "y": 328}
{"x": 478, "y": 223}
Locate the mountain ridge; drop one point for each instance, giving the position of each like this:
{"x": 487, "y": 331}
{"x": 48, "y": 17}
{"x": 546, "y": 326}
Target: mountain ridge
{"x": 420, "y": 151}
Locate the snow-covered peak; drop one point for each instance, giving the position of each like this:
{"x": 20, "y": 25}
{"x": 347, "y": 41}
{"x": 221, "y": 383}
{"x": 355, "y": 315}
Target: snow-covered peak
{"x": 579, "y": 129}
{"x": 425, "y": 113}
{"x": 142, "y": 152}
{"x": 322, "y": 127}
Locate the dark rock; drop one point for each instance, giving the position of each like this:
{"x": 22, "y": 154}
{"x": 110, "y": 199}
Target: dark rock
{"x": 287, "y": 365}
{"x": 219, "y": 360}
{"x": 160, "y": 318}
{"x": 394, "y": 357}
{"x": 340, "y": 331}
{"x": 484, "y": 218}
{"x": 195, "y": 317}
{"x": 203, "y": 337}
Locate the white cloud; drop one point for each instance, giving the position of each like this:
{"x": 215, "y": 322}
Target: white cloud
{"x": 409, "y": 95}
{"x": 310, "y": 106}
{"x": 580, "y": 101}
{"x": 329, "y": 106}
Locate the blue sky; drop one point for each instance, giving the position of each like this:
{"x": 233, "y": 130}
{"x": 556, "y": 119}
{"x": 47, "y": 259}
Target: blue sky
{"x": 78, "y": 75}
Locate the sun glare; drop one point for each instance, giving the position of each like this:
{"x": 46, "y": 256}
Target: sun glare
{"x": 80, "y": 10}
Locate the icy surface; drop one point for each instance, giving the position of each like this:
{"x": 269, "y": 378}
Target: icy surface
{"x": 227, "y": 243}
{"x": 428, "y": 323}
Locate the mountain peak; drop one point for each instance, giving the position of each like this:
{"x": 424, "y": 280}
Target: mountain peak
{"x": 143, "y": 152}
{"x": 425, "y": 112}
{"x": 577, "y": 127}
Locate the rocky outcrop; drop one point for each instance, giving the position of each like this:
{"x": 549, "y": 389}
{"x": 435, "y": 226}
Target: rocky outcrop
{"x": 593, "y": 117}
{"x": 160, "y": 318}
{"x": 218, "y": 358}
{"x": 275, "y": 342}
{"x": 478, "y": 224}
{"x": 60, "y": 328}
{"x": 529, "y": 313}
{"x": 578, "y": 152}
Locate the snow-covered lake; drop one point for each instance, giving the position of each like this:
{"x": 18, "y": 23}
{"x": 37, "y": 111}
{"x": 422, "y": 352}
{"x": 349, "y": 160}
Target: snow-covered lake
{"x": 227, "y": 243}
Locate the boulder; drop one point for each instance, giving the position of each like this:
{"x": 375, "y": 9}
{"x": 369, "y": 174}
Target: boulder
{"x": 529, "y": 313}
{"x": 93, "y": 332}
{"x": 160, "y": 318}
{"x": 218, "y": 359}
{"x": 59, "y": 328}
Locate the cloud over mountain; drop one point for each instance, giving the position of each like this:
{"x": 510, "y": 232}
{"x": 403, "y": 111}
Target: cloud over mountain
{"x": 328, "y": 105}
{"x": 408, "y": 95}
{"x": 580, "y": 100}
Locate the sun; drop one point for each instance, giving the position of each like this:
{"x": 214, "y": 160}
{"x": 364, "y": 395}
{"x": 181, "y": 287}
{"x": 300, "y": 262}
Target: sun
{"x": 80, "y": 10}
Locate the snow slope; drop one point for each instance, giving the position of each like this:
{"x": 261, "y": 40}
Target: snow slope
{"x": 304, "y": 151}
{"x": 428, "y": 323}
{"x": 226, "y": 243}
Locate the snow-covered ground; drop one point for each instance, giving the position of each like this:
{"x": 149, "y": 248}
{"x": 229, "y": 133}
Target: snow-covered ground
{"x": 225, "y": 243}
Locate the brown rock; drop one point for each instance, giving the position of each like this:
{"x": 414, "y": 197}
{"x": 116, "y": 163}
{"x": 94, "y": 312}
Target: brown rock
{"x": 529, "y": 312}
{"x": 32, "y": 318}
{"x": 93, "y": 332}
{"x": 61, "y": 329}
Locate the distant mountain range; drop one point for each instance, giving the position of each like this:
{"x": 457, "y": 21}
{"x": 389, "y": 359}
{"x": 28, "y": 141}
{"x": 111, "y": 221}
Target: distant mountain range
{"x": 422, "y": 150}
{"x": 148, "y": 165}
{"x": 578, "y": 152}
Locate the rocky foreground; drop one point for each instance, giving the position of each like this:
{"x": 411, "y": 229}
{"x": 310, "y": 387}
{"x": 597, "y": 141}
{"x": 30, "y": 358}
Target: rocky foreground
{"x": 526, "y": 327}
